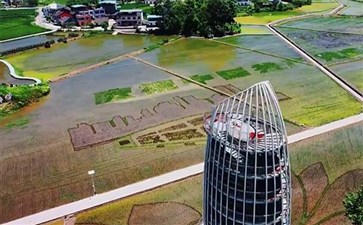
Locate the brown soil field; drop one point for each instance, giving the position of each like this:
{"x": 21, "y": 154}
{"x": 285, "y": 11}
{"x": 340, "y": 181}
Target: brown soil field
{"x": 298, "y": 200}
{"x": 332, "y": 200}
{"x": 23, "y": 192}
{"x": 338, "y": 220}
{"x": 315, "y": 181}
{"x": 163, "y": 213}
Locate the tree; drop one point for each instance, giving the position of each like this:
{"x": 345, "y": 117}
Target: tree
{"x": 81, "y": 2}
{"x": 196, "y": 17}
{"x": 31, "y": 2}
{"x": 353, "y": 204}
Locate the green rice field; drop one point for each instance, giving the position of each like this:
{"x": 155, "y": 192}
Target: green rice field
{"x": 47, "y": 63}
{"x": 267, "y": 17}
{"x": 112, "y": 95}
{"x": 300, "y": 82}
{"x": 17, "y": 23}
{"x": 158, "y": 87}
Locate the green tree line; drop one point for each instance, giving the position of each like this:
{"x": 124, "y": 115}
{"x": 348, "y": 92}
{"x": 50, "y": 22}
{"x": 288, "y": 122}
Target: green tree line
{"x": 197, "y": 17}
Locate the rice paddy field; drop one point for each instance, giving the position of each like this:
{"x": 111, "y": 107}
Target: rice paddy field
{"x": 267, "y": 17}
{"x": 47, "y": 63}
{"x": 341, "y": 47}
{"x": 155, "y": 131}
{"x": 327, "y": 165}
{"x": 354, "y": 8}
{"x": 297, "y": 80}
{"x": 341, "y": 24}
{"x": 17, "y": 23}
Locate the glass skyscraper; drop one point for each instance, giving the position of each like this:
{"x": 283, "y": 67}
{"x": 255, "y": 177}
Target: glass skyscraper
{"x": 247, "y": 171}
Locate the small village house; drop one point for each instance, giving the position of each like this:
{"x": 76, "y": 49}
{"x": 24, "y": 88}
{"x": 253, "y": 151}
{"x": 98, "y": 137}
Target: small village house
{"x": 129, "y": 17}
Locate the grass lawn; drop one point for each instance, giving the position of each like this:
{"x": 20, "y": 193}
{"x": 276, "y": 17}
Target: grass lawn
{"x": 202, "y": 78}
{"x": 339, "y": 151}
{"x": 233, "y": 73}
{"x": 112, "y": 95}
{"x": 158, "y": 87}
{"x": 15, "y": 24}
{"x": 267, "y": 17}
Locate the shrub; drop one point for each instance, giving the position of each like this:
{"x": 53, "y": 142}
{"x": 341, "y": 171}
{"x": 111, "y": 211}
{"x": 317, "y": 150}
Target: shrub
{"x": 353, "y": 204}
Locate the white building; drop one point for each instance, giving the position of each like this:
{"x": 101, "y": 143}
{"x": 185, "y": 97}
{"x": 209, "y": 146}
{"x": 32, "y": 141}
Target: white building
{"x": 129, "y": 17}
{"x": 243, "y": 2}
{"x": 150, "y": 2}
{"x": 51, "y": 8}
{"x": 152, "y": 20}
{"x": 99, "y": 15}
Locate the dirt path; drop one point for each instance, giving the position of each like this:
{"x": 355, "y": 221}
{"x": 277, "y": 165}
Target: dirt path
{"x": 180, "y": 76}
{"x": 97, "y": 65}
{"x": 324, "y": 68}
{"x": 259, "y": 52}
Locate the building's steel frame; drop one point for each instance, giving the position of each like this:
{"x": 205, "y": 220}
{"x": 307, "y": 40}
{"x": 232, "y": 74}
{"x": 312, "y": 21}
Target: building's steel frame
{"x": 247, "y": 170}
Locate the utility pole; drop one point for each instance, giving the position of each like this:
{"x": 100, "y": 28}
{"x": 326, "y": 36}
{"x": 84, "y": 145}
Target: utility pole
{"x": 92, "y": 173}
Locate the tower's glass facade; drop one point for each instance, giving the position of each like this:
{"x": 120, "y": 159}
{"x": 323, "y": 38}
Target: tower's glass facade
{"x": 247, "y": 172}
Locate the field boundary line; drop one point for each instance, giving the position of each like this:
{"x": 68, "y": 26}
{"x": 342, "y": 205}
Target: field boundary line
{"x": 95, "y": 66}
{"x": 28, "y": 36}
{"x": 158, "y": 181}
{"x": 325, "y": 69}
{"x": 180, "y": 76}
{"x": 309, "y": 29}
{"x": 261, "y": 52}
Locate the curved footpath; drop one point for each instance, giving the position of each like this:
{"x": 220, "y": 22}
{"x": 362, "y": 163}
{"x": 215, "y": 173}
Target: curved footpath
{"x": 155, "y": 182}
{"x": 14, "y": 75}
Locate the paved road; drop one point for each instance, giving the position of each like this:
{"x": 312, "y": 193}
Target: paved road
{"x": 155, "y": 182}
{"x": 41, "y": 22}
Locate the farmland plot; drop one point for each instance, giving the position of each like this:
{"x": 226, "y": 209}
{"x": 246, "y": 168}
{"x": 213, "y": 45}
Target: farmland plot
{"x": 325, "y": 183}
{"x": 352, "y": 72}
{"x": 337, "y": 24}
{"x": 62, "y": 58}
{"x": 329, "y": 47}
{"x": 299, "y": 82}
{"x": 264, "y": 43}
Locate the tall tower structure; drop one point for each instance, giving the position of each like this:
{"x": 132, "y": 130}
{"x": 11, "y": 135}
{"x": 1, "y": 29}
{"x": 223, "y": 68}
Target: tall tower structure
{"x": 247, "y": 171}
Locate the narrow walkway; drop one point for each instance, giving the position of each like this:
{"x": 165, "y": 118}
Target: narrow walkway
{"x": 181, "y": 76}
{"x": 16, "y": 76}
{"x": 335, "y": 77}
{"x": 155, "y": 182}
{"x": 260, "y": 52}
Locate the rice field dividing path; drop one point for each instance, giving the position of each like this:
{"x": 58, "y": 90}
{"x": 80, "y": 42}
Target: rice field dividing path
{"x": 97, "y": 65}
{"x": 180, "y": 76}
{"x": 324, "y": 68}
{"x": 260, "y": 52}
{"x": 158, "y": 181}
